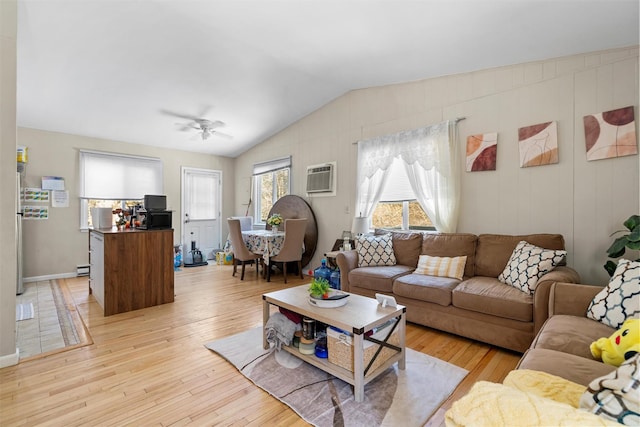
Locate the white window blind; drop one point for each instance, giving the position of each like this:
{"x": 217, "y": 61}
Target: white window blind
{"x": 397, "y": 188}
{"x": 119, "y": 177}
{"x": 271, "y": 165}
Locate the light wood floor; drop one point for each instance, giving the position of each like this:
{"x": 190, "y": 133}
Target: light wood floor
{"x": 149, "y": 367}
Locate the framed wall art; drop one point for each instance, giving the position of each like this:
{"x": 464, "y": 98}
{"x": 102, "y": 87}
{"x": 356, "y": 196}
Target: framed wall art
{"x": 538, "y": 144}
{"x": 610, "y": 134}
{"x": 481, "y": 152}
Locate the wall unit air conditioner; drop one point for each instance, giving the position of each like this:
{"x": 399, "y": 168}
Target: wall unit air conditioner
{"x": 321, "y": 179}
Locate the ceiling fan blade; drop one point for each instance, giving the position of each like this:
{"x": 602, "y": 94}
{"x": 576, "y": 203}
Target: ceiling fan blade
{"x": 205, "y": 127}
{"x": 182, "y": 116}
{"x": 221, "y": 135}
{"x": 205, "y": 110}
{"x": 208, "y": 124}
{"x": 186, "y": 126}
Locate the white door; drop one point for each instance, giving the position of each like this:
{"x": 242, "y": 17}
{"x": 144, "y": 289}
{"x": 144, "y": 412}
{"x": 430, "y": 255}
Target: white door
{"x": 201, "y": 210}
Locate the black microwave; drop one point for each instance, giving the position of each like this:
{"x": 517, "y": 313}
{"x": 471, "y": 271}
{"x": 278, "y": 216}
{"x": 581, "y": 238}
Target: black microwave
{"x": 155, "y": 220}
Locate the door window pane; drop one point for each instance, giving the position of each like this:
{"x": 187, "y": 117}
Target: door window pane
{"x": 201, "y": 202}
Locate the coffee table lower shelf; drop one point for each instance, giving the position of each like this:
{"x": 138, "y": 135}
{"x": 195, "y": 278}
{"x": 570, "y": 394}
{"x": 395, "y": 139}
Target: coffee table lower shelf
{"x": 338, "y": 371}
{"x": 360, "y": 315}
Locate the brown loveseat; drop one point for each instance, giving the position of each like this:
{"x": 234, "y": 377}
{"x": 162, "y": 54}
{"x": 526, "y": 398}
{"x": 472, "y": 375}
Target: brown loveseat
{"x": 478, "y": 306}
{"x": 561, "y": 347}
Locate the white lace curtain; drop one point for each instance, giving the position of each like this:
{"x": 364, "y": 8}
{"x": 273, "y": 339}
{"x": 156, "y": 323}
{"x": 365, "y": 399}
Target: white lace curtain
{"x": 430, "y": 157}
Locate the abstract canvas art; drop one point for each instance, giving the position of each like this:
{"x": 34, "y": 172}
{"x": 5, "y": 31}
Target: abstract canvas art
{"x": 538, "y": 144}
{"x": 610, "y": 134}
{"x": 481, "y": 152}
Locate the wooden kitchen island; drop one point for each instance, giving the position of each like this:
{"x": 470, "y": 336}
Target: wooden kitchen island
{"x": 130, "y": 269}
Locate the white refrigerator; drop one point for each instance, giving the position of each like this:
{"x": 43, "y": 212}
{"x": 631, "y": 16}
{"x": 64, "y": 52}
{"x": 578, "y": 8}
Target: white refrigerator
{"x": 19, "y": 277}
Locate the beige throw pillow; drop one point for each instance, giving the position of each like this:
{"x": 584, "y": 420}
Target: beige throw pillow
{"x": 441, "y": 266}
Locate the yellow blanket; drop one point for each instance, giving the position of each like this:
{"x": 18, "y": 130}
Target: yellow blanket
{"x": 546, "y": 385}
{"x": 491, "y": 404}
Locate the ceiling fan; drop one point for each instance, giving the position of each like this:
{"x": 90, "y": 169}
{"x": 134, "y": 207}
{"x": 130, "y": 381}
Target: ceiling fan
{"x": 206, "y": 127}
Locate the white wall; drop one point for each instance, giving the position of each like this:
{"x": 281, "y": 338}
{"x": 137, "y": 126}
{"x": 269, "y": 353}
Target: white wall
{"x": 8, "y": 20}
{"x": 584, "y": 201}
{"x": 56, "y": 246}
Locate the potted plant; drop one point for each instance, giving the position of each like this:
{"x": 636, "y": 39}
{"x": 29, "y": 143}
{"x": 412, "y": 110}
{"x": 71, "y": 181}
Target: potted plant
{"x": 274, "y": 221}
{"x": 631, "y": 240}
{"x": 120, "y": 220}
{"x": 319, "y": 288}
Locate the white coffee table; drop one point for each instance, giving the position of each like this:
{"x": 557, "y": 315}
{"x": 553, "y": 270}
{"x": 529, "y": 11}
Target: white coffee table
{"x": 360, "y": 315}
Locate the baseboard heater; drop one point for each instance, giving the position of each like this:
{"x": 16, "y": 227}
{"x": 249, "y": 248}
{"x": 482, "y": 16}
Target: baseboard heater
{"x": 82, "y": 270}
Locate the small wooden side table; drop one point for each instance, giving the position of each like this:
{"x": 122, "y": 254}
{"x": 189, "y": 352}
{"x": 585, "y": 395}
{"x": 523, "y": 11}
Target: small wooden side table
{"x": 333, "y": 253}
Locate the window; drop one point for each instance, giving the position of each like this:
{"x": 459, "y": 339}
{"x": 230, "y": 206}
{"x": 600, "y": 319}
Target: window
{"x": 272, "y": 180}
{"x": 116, "y": 181}
{"x": 430, "y": 160}
{"x": 404, "y": 215}
{"x": 102, "y": 203}
{"x": 398, "y": 207}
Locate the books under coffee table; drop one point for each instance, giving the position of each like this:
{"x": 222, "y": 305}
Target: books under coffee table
{"x": 359, "y": 316}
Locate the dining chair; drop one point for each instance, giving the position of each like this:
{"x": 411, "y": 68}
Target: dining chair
{"x": 292, "y": 247}
{"x": 246, "y": 222}
{"x": 240, "y": 252}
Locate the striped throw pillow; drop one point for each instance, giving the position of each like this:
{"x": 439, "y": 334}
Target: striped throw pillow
{"x": 441, "y": 266}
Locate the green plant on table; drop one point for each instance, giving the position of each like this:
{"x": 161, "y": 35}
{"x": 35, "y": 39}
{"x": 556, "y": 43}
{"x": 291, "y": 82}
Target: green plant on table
{"x": 629, "y": 240}
{"x": 319, "y": 288}
{"x": 275, "y": 220}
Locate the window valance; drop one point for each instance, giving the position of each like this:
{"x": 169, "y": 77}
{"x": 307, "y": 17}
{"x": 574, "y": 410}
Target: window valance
{"x": 430, "y": 159}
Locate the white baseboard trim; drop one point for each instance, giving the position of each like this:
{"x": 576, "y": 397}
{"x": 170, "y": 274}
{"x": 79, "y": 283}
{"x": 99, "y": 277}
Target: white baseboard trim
{"x": 49, "y": 277}
{"x": 10, "y": 359}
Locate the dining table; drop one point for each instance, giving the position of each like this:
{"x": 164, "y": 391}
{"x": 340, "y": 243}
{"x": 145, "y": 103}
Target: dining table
{"x": 265, "y": 242}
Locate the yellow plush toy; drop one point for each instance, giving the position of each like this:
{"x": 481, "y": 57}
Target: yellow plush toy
{"x": 622, "y": 345}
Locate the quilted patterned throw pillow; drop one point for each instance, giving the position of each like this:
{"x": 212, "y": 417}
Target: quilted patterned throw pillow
{"x": 527, "y": 264}
{"x": 616, "y": 396}
{"x": 620, "y": 299}
{"x": 375, "y": 250}
{"x": 441, "y": 266}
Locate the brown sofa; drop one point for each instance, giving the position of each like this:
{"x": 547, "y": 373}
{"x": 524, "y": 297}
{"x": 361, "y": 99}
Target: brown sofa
{"x": 478, "y": 306}
{"x": 561, "y": 347}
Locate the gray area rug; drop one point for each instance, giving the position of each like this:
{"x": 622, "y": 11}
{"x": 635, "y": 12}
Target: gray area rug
{"x": 395, "y": 398}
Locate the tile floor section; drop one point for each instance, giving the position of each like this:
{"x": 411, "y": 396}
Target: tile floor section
{"x": 48, "y": 330}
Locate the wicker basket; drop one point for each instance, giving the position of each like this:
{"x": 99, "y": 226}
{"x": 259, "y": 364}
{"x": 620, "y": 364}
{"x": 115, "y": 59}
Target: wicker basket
{"x": 340, "y": 347}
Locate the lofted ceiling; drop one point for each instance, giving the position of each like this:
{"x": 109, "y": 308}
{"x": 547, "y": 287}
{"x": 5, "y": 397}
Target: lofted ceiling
{"x": 115, "y": 69}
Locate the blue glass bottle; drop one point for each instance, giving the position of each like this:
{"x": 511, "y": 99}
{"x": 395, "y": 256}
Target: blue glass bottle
{"x": 334, "y": 279}
{"x": 323, "y": 272}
